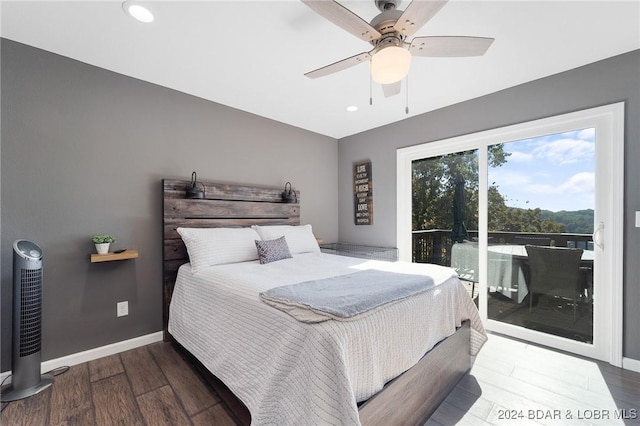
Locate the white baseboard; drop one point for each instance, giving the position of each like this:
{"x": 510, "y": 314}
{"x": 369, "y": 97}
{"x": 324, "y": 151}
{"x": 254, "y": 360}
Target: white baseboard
{"x": 136, "y": 342}
{"x": 95, "y": 353}
{"x": 631, "y": 364}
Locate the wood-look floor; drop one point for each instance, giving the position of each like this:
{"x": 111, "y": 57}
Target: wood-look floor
{"x": 154, "y": 385}
{"x": 151, "y": 385}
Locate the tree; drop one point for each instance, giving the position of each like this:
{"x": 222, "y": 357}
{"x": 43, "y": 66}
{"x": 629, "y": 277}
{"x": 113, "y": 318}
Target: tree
{"x": 433, "y": 187}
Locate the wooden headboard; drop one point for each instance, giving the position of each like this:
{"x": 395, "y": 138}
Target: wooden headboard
{"x": 224, "y": 205}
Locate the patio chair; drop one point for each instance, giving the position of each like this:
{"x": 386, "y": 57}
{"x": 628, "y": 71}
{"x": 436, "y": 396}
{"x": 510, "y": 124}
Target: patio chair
{"x": 554, "y": 271}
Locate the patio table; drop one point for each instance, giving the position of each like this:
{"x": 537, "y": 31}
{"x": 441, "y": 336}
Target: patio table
{"x": 507, "y": 265}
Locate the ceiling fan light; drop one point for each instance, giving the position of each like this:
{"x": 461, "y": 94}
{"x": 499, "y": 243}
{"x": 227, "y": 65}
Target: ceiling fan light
{"x": 390, "y": 64}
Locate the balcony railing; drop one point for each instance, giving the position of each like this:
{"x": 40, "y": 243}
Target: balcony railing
{"x": 434, "y": 245}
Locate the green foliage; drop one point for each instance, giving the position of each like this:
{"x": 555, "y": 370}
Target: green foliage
{"x": 575, "y": 222}
{"x": 433, "y": 187}
{"x": 514, "y": 219}
{"x": 102, "y": 238}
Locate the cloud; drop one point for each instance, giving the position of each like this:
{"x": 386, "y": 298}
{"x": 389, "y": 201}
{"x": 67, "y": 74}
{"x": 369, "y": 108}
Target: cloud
{"x": 509, "y": 178}
{"x": 565, "y": 151}
{"x": 584, "y": 182}
{"x": 558, "y": 149}
{"x": 521, "y": 157}
{"x": 584, "y": 134}
{"x": 549, "y": 171}
{"x": 580, "y": 183}
{"x": 587, "y": 134}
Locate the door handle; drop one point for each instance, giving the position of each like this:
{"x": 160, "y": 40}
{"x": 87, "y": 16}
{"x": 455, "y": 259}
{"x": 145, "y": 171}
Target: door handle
{"x": 597, "y": 234}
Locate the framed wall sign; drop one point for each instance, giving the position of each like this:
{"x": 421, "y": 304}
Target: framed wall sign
{"x": 362, "y": 193}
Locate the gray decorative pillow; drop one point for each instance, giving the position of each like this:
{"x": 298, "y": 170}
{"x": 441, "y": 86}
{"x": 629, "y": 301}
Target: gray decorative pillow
{"x": 272, "y": 250}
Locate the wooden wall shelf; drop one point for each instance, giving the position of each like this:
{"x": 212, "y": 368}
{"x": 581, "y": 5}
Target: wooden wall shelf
{"x": 110, "y": 257}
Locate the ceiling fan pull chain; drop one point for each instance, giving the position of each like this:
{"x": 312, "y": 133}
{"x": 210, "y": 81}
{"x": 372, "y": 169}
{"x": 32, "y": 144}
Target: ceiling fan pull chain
{"x": 406, "y": 108}
{"x": 370, "y": 85}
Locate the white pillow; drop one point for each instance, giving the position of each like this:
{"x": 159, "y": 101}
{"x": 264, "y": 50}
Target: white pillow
{"x": 215, "y": 246}
{"x": 300, "y": 239}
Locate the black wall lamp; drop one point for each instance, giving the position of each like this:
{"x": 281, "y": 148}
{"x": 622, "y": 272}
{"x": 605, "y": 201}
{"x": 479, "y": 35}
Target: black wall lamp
{"x": 290, "y": 195}
{"x": 192, "y": 190}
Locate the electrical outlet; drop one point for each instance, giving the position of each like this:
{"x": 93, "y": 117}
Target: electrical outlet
{"x": 122, "y": 309}
{"x": 637, "y": 219}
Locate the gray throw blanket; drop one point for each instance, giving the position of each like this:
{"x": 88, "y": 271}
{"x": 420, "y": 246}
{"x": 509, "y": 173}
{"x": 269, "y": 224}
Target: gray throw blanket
{"x": 345, "y": 296}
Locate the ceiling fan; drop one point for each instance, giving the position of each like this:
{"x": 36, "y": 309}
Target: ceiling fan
{"x": 388, "y": 32}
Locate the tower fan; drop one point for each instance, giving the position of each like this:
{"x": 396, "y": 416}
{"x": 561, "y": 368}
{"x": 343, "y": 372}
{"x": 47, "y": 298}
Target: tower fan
{"x": 26, "y": 379}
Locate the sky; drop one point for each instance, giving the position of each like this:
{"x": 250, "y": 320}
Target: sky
{"x": 554, "y": 172}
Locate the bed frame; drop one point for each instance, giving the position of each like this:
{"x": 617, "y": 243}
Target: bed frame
{"x": 409, "y": 399}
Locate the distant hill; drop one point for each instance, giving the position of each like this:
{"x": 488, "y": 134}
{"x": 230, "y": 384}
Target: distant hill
{"x": 575, "y": 222}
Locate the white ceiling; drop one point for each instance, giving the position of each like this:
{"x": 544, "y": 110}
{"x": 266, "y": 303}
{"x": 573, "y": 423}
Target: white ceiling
{"x": 252, "y": 55}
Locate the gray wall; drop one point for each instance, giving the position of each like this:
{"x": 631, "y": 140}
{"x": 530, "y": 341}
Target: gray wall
{"x": 613, "y": 80}
{"x": 84, "y": 150}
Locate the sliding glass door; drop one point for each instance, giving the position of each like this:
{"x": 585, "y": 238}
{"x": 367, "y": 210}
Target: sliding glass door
{"x": 530, "y": 218}
{"x": 540, "y": 251}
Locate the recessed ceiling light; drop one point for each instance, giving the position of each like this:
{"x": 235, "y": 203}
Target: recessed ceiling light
{"x": 138, "y": 11}
{"x": 352, "y": 108}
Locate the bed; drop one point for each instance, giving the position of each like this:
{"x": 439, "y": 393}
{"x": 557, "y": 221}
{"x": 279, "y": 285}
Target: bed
{"x": 273, "y": 369}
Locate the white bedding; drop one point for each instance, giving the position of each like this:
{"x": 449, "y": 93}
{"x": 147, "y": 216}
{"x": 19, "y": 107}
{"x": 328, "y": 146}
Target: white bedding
{"x": 291, "y": 373}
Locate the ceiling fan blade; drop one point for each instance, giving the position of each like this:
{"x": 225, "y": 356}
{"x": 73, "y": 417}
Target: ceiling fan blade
{"x": 339, "y": 66}
{"x": 450, "y": 46}
{"x": 418, "y": 13}
{"x": 344, "y": 18}
{"x": 391, "y": 89}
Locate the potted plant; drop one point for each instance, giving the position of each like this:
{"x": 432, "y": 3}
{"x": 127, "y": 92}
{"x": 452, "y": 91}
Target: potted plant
{"x": 102, "y": 242}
